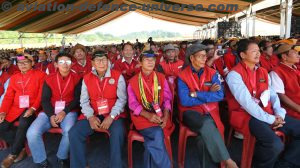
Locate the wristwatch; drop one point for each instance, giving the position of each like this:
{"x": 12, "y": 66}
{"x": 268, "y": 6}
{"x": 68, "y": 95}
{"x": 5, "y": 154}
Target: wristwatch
{"x": 112, "y": 116}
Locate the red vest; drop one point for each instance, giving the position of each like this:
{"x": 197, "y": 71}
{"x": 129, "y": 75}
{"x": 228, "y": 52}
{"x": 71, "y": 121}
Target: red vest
{"x": 219, "y": 65}
{"x": 181, "y": 54}
{"x": 268, "y": 64}
{"x": 42, "y": 66}
{"x": 291, "y": 80}
{"x": 10, "y": 104}
{"x": 239, "y": 118}
{"x": 109, "y": 92}
{"x": 139, "y": 121}
{"x": 173, "y": 68}
{"x": 113, "y": 57}
{"x": 82, "y": 70}
{"x": 230, "y": 59}
{"x": 6, "y": 75}
{"x": 68, "y": 94}
{"x": 212, "y": 108}
{"x": 124, "y": 66}
{"x": 51, "y": 68}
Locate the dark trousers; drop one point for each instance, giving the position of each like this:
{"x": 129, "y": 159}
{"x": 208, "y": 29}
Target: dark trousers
{"x": 155, "y": 155}
{"x": 209, "y": 140}
{"x": 20, "y": 136}
{"x": 269, "y": 146}
{"x": 78, "y": 135}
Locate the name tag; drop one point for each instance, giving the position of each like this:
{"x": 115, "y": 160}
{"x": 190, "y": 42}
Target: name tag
{"x": 262, "y": 80}
{"x": 59, "y": 106}
{"x": 24, "y": 101}
{"x": 157, "y": 109}
{"x": 207, "y": 84}
{"x": 102, "y": 106}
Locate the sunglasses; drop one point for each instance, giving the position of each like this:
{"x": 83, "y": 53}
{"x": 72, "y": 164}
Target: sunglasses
{"x": 61, "y": 62}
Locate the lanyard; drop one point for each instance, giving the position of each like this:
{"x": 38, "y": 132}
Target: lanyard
{"x": 252, "y": 75}
{"x": 195, "y": 83}
{"x": 147, "y": 87}
{"x": 59, "y": 87}
{"x": 128, "y": 67}
{"x": 102, "y": 90}
{"x": 24, "y": 86}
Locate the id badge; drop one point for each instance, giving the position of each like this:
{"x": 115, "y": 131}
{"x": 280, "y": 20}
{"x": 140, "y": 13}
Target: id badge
{"x": 102, "y": 106}
{"x": 24, "y": 101}
{"x": 157, "y": 109}
{"x": 59, "y": 106}
{"x": 172, "y": 79}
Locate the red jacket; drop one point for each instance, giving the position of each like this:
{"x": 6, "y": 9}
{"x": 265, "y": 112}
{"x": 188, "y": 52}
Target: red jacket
{"x": 42, "y": 66}
{"x": 212, "y": 108}
{"x": 113, "y": 57}
{"x": 82, "y": 70}
{"x": 139, "y": 121}
{"x": 51, "y": 68}
{"x": 268, "y": 64}
{"x": 109, "y": 92}
{"x": 129, "y": 69}
{"x": 173, "y": 68}
{"x": 13, "y": 69}
{"x": 181, "y": 54}
{"x": 10, "y": 104}
{"x": 239, "y": 118}
{"x": 230, "y": 59}
{"x": 68, "y": 94}
{"x": 291, "y": 80}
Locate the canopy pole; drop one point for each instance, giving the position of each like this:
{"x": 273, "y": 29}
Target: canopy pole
{"x": 21, "y": 38}
{"x": 282, "y": 18}
{"x": 288, "y": 9}
{"x": 253, "y": 23}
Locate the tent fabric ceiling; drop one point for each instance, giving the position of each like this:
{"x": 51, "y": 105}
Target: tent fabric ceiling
{"x": 74, "y": 22}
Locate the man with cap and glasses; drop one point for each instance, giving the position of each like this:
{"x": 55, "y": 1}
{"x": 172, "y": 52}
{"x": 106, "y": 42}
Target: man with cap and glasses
{"x": 103, "y": 98}
{"x": 149, "y": 99}
{"x": 286, "y": 79}
{"x": 81, "y": 64}
{"x": 21, "y": 101}
{"x": 60, "y": 102}
{"x": 199, "y": 91}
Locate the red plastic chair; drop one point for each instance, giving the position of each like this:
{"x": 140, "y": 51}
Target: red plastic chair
{"x": 249, "y": 146}
{"x": 3, "y": 145}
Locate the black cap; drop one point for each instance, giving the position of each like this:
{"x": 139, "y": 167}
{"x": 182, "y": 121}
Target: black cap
{"x": 99, "y": 53}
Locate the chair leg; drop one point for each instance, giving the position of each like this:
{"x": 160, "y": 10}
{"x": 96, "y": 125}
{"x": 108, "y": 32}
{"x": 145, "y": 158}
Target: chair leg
{"x": 169, "y": 148}
{"x": 229, "y": 138}
{"x": 181, "y": 147}
{"x": 248, "y": 149}
{"x": 130, "y": 164}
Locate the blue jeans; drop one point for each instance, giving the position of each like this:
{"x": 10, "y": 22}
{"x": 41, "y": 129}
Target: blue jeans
{"x": 79, "y": 134}
{"x": 41, "y": 125}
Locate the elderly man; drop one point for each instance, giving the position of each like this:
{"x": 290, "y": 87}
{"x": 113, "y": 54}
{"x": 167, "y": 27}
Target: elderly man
{"x": 171, "y": 66}
{"x": 199, "y": 91}
{"x": 286, "y": 79}
{"x": 127, "y": 65}
{"x": 82, "y": 64}
{"x": 151, "y": 110}
{"x": 103, "y": 98}
{"x": 255, "y": 109}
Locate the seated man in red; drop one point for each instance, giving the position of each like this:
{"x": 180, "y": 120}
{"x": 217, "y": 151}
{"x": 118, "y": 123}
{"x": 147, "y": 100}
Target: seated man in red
{"x": 286, "y": 80}
{"x": 82, "y": 64}
{"x": 127, "y": 65}
{"x": 113, "y": 54}
{"x": 267, "y": 59}
{"x": 199, "y": 91}
{"x": 43, "y": 62}
{"x": 51, "y": 67}
{"x": 21, "y": 101}
{"x": 255, "y": 109}
{"x": 149, "y": 99}
{"x": 182, "y": 50}
{"x": 171, "y": 66}
{"x": 231, "y": 58}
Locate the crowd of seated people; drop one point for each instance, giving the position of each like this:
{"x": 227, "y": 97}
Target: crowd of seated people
{"x": 143, "y": 87}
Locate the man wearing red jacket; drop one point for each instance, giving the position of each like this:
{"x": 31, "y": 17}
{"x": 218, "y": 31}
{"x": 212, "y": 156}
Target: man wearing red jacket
{"x": 103, "y": 98}
{"x": 113, "y": 54}
{"x": 149, "y": 99}
{"x": 60, "y": 102}
{"x": 82, "y": 64}
{"x": 171, "y": 66}
{"x": 267, "y": 59}
{"x": 231, "y": 58}
{"x": 255, "y": 109}
{"x": 43, "y": 62}
{"x": 183, "y": 46}
{"x": 286, "y": 80}
{"x": 127, "y": 65}
{"x": 199, "y": 91}
{"x": 21, "y": 101}
{"x": 51, "y": 67}
{"x": 7, "y": 70}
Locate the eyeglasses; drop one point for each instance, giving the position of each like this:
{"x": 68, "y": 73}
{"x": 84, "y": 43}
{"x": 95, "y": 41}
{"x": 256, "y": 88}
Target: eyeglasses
{"x": 24, "y": 63}
{"x": 61, "y": 62}
{"x": 104, "y": 61}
